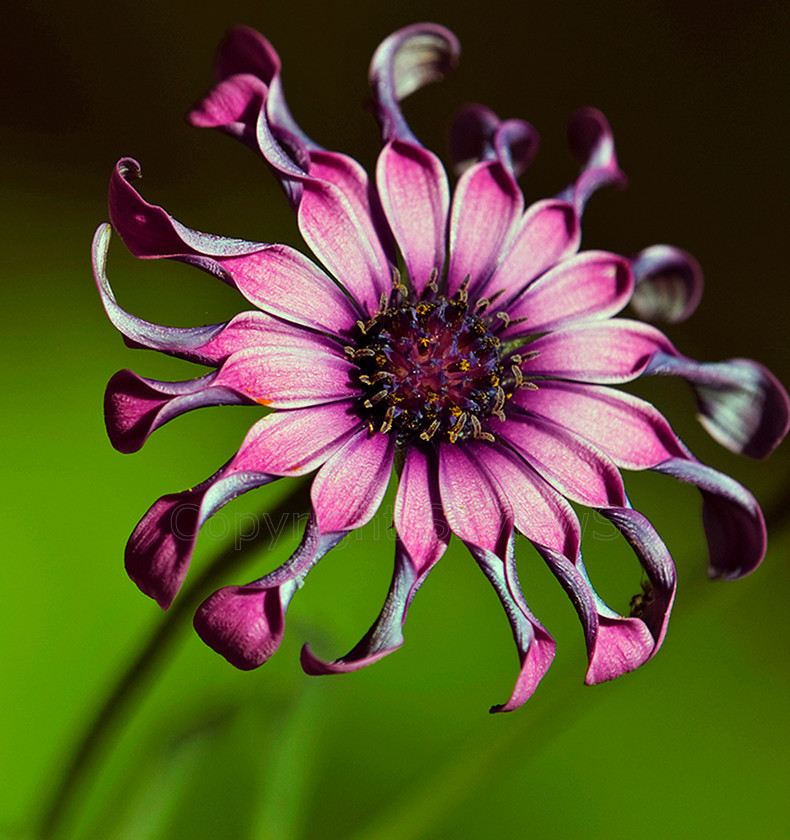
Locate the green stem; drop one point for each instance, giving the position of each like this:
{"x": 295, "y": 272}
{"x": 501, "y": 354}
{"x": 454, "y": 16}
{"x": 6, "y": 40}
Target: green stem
{"x": 96, "y": 738}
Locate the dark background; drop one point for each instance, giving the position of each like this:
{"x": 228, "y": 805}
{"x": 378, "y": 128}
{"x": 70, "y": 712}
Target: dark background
{"x": 694, "y": 744}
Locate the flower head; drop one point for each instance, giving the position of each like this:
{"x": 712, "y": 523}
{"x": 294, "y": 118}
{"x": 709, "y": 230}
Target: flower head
{"x": 462, "y": 339}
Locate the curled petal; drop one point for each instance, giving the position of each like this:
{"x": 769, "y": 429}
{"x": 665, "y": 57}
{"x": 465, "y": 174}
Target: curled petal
{"x": 477, "y": 134}
{"x": 423, "y": 536}
{"x": 150, "y": 232}
{"x": 668, "y": 284}
{"x": 245, "y": 624}
{"x": 592, "y": 144}
{"x": 246, "y": 53}
{"x": 160, "y": 547}
{"x": 284, "y": 443}
{"x": 615, "y": 644}
{"x": 742, "y": 405}
{"x": 734, "y": 523}
{"x": 404, "y": 62}
{"x": 135, "y": 407}
{"x": 386, "y": 634}
{"x": 232, "y": 106}
{"x": 654, "y": 605}
{"x": 535, "y": 646}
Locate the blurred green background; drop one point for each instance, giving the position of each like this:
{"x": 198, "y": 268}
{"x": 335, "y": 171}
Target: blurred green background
{"x": 694, "y": 744}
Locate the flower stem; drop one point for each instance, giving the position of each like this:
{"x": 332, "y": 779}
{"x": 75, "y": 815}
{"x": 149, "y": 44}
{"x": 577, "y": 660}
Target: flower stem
{"x": 96, "y": 738}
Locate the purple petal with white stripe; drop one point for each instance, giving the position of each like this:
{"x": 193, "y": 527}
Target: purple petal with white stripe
{"x": 668, "y": 284}
{"x": 734, "y": 523}
{"x": 742, "y": 404}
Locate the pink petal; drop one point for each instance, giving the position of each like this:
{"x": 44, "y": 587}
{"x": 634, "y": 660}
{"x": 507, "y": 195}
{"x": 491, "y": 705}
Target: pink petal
{"x": 288, "y": 376}
{"x": 415, "y": 196}
{"x": 419, "y": 520}
{"x": 297, "y": 441}
{"x": 630, "y": 431}
{"x": 622, "y": 645}
{"x": 612, "y": 352}
{"x": 572, "y": 465}
{"x": 591, "y": 285}
{"x": 135, "y": 407}
{"x": 540, "y": 512}
{"x": 284, "y": 282}
{"x": 348, "y": 489}
{"x": 549, "y": 233}
{"x": 472, "y": 507}
{"x": 344, "y": 242}
{"x": 487, "y": 205}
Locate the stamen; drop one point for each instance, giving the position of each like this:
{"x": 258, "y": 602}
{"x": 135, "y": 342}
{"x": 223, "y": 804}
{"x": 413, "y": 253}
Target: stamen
{"x": 503, "y": 316}
{"x": 517, "y": 375}
{"x": 431, "y": 430}
{"x": 388, "y": 418}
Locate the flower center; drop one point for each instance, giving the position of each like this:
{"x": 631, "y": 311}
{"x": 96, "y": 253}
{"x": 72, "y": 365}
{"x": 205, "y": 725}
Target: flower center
{"x": 429, "y": 369}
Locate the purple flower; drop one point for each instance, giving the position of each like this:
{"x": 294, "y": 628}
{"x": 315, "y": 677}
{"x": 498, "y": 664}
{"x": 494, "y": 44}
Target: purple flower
{"x": 463, "y": 340}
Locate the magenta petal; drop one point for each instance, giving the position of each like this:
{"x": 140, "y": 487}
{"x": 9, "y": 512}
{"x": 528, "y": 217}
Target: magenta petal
{"x": 629, "y": 430}
{"x": 487, "y": 206}
{"x": 549, "y": 233}
{"x": 612, "y": 352}
{"x": 572, "y": 465}
{"x": 622, "y": 645}
{"x": 406, "y": 61}
{"x": 245, "y": 51}
{"x": 232, "y": 105}
{"x": 535, "y": 646}
{"x": 734, "y": 523}
{"x": 742, "y": 404}
{"x": 668, "y": 284}
{"x": 591, "y": 285}
{"x": 135, "y": 407}
{"x": 348, "y": 489}
{"x": 478, "y": 134}
{"x": 415, "y": 196}
{"x": 540, "y": 513}
{"x": 244, "y": 624}
{"x": 160, "y": 548}
{"x": 150, "y": 232}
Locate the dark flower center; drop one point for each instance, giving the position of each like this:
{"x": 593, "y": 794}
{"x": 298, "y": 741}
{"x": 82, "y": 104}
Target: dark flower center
{"x": 429, "y": 369}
